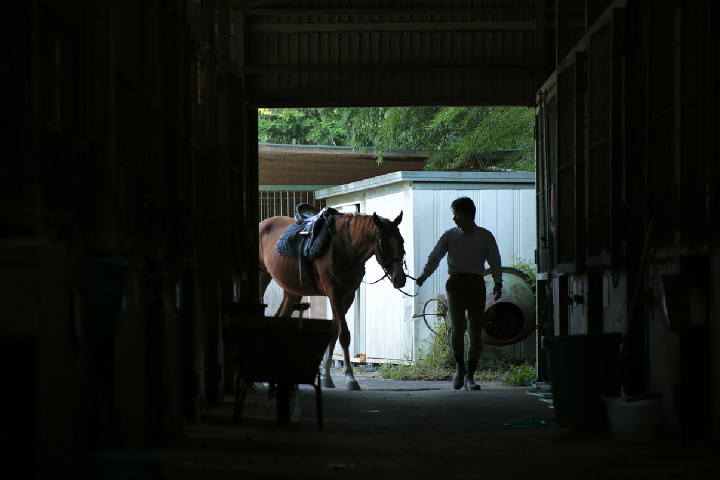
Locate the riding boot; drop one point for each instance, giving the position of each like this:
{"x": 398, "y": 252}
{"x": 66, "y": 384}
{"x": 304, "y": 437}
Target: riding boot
{"x": 469, "y": 381}
{"x": 458, "y": 379}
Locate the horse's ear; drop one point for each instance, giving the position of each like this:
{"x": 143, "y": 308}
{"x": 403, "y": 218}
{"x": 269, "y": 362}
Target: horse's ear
{"x": 398, "y": 219}
{"x": 377, "y": 221}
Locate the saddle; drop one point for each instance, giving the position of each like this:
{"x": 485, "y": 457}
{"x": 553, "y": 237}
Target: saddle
{"x": 304, "y": 212}
{"x": 307, "y": 238}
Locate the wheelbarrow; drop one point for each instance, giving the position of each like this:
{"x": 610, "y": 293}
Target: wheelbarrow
{"x": 284, "y": 351}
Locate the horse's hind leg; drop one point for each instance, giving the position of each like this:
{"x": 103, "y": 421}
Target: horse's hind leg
{"x": 327, "y": 380}
{"x": 265, "y": 279}
{"x": 339, "y": 312}
{"x": 286, "y": 306}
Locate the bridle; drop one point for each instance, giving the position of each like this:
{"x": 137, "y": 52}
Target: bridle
{"x": 385, "y": 263}
{"x": 378, "y": 257}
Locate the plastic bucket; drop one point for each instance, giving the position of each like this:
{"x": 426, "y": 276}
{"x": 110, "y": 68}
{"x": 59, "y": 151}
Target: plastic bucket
{"x": 580, "y": 367}
{"x": 631, "y": 420}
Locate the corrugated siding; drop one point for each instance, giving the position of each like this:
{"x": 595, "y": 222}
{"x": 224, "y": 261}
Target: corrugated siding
{"x": 508, "y": 213}
{"x": 381, "y": 325}
{"x": 387, "y": 312}
{"x": 363, "y": 53}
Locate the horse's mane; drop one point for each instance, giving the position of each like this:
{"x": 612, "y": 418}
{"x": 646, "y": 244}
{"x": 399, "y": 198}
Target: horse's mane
{"x": 360, "y": 223}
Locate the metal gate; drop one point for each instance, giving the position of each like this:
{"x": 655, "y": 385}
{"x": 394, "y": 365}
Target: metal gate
{"x": 274, "y": 201}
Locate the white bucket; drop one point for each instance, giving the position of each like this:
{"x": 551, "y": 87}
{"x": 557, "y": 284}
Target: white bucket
{"x": 632, "y": 421}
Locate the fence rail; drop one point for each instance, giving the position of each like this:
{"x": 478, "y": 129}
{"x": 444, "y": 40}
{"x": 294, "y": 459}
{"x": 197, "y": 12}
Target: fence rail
{"x": 283, "y": 202}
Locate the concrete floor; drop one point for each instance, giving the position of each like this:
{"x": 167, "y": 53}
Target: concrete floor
{"x": 419, "y": 430}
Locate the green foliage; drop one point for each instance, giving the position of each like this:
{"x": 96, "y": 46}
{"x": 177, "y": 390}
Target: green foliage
{"x": 519, "y": 375}
{"x": 528, "y": 268}
{"x": 463, "y": 138}
{"x": 286, "y": 126}
{"x": 308, "y": 126}
{"x": 327, "y": 127}
{"x": 475, "y": 133}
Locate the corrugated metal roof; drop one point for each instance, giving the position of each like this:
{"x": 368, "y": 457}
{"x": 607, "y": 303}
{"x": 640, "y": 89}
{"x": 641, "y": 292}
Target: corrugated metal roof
{"x": 433, "y": 180}
{"x": 367, "y": 53}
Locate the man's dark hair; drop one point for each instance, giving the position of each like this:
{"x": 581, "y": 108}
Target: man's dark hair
{"x": 465, "y": 205}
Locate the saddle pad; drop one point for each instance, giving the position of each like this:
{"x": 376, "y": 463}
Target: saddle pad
{"x": 291, "y": 243}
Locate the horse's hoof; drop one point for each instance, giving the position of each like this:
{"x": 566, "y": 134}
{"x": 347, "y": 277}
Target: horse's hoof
{"x": 327, "y": 383}
{"x": 353, "y": 385}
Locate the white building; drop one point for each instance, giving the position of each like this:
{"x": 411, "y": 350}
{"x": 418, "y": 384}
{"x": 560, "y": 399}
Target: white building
{"x": 381, "y": 319}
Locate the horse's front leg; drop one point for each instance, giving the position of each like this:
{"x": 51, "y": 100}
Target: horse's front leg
{"x": 350, "y": 381}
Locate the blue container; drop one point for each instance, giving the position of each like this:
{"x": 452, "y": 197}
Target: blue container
{"x": 124, "y": 465}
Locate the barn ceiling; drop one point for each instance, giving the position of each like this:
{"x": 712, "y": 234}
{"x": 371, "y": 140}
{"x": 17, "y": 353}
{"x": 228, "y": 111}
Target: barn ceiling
{"x": 402, "y": 52}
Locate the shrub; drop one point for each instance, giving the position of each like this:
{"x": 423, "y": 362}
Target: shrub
{"x": 519, "y": 375}
{"x": 528, "y": 268}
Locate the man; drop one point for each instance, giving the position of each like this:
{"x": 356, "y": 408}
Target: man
{"x": 468, "y": 247}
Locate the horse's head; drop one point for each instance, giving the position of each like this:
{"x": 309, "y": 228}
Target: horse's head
{"x": 390, "y": 249}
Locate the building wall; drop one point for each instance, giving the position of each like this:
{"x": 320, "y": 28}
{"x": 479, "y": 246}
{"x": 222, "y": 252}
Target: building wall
{"x": 119, "y": 151}
{"x": 627, "y": 197}
{"x": 386, "y": 325}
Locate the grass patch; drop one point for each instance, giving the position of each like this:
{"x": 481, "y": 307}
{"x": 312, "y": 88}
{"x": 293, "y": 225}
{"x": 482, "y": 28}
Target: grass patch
{"x": 511, "y": 373}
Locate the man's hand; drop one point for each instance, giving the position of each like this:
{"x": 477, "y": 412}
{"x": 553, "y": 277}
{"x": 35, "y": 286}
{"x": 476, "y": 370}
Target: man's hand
{"x": 420, "y": 280}
{"x": 497, "y": 291}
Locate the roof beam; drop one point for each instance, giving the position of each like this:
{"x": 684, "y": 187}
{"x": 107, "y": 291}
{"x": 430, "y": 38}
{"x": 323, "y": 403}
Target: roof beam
{"x": 384, "y": 69}
{"x": 404, "y": 27}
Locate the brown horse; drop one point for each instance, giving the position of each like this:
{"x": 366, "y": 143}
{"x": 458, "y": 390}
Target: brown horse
{"x": 337, "y": 272}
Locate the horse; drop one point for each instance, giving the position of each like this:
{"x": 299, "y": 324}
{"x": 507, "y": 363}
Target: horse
{"x": 336, "y": 273}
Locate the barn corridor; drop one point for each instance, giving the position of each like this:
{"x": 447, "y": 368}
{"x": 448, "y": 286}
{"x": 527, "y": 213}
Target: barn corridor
{"x": 410, "y": 429}
{"x": 130, "y": 199}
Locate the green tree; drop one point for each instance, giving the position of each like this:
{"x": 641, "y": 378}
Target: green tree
{"x": 307, "y": 126}
{"x": 329, "y": 127}
{"x": 466, "y": 138}
{"x": 286, "y": 126}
